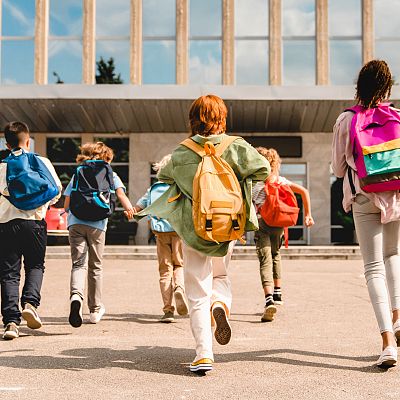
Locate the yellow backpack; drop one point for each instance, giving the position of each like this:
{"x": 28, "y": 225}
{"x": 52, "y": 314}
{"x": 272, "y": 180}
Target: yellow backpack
{"x": 219, "y": 213}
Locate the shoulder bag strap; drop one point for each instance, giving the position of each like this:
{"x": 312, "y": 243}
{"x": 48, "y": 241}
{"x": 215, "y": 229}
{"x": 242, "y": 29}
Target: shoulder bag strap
{"x": 225, "y": 144}
{"x": 350, "y": 176}
{"x": 192, "y": 145}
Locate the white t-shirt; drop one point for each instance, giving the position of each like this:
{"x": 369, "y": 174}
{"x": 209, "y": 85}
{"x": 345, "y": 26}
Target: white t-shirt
{"x": 8, "y": 212}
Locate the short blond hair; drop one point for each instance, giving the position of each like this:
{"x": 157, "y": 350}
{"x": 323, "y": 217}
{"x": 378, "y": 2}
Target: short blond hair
{"x": 273, "y": 158}
{"x": 207, "y": 116}
{"x": 158, "y": 166}
{"x": 95, "y": 151}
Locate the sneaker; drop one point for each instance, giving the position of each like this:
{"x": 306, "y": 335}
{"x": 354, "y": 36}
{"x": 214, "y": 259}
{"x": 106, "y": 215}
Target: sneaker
{"x": 223, "y": 331}
{"x": 11, "y": 331}
{"x": 180, "y": 301}
{"x": 396, "y": 330}
{"x": 96, "y": 316}
{"x": 30, "y": 315}
{"x": 168, "y": 317}
{"x": 388, "y": 358}
{"x": 75, "y": 315}
{"x": 269, "y": 313}
{"x": 278, "y": 298}
{"x": 202, "y": 366}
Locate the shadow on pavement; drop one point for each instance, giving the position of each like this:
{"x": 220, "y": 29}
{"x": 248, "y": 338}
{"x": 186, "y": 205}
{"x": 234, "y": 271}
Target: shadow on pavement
{"x": 172, "y": 361}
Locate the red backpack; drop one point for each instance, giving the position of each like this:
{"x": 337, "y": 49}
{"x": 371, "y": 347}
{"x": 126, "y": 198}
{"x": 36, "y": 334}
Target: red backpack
{"x": 280, "y": 207}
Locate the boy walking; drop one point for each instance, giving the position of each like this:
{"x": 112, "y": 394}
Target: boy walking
{"x": 169, "y": 251}
{"x": 23, "y": 230}
{"x": 89, "y": 200}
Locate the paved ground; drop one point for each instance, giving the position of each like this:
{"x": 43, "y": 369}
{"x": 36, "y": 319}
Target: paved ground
{"x": 322, "y": 345}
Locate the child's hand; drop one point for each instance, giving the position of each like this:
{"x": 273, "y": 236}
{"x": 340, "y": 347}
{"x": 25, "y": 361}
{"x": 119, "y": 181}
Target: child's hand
{"x": 308, "y": 221}
{"x": 129, "y": 213}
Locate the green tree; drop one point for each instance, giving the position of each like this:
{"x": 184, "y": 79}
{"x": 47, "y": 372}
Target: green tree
{"x": 106, "y": 72}
{"x": 59, "y": 80}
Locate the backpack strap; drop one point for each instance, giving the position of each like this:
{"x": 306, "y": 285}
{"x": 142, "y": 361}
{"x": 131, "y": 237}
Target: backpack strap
{"x": 225, "y": 144}
{"x": 192, "y": 145}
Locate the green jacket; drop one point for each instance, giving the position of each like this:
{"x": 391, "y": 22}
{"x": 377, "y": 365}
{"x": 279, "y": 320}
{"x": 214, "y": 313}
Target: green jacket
{"x": 248, "y": 165}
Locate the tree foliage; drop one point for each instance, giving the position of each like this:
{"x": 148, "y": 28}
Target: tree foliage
{"x": 106, "y": 72}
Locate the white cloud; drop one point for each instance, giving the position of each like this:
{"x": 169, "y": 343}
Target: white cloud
{"x": 387, "y": 18}
{"x": 18, "y": 15}
{"x": 251, "y": 17}
{"x": 251, "y": 62}
{"x": 113, "y": 18}
{"x": 206, "y": 70}
{"x": 9, "y": 81}
{"x": 345, "y": 17}
{"x": 73, "y": 48}
{"x": 67, "y": 14}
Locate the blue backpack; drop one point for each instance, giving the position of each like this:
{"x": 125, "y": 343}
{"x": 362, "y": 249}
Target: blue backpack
{"x": 93, "y": 191}
{"x": 29, "y": 182}
{"x": 159, "y": 224}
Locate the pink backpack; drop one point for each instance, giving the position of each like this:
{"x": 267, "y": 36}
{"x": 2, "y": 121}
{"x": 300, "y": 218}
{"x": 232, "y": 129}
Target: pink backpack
{"x": 375, "y": 135}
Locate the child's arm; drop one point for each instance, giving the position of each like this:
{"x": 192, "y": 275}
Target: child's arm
{"x": 305, "y": 196}
{"x": 126, "y": 204}
{"x": 67, "y": 200}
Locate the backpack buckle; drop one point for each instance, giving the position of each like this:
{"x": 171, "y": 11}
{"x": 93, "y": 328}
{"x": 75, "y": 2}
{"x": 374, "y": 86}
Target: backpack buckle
{"x": 208, "y": 224}
{"x": 235, "y": 225}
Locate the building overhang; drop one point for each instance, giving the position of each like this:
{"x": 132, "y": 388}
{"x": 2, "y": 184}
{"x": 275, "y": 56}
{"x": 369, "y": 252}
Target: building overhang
{"x": 164, "y": 108}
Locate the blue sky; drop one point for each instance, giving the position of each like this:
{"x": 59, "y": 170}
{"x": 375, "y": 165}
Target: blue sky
{"x": 251, "y": 18}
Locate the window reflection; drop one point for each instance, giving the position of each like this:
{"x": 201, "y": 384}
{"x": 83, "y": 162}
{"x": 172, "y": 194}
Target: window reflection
{"x": 113, "y": 18}
{"x": 65, "y": 61}
{"x": 17, "y": 58}
{"x": 298, "y": 17}
{"x": 119, "y": 51}
{"x": 251, "y": 17}
{"x": 345, "y": 61}
{"x": 386, "y": 14}
{"x": 18, "y": 17}
{"x": 251, "y": 62}
{"x": 159, "y": 61}
{"x": 205, "y": 18}
{"x": 344, "y": 17}
{"x": 299, "y": 62}
{"x": 205, "y": 62}
{"x": 65, "y": 18}
{"x": 384, "y": 51}
{"x": 159, "y": 18}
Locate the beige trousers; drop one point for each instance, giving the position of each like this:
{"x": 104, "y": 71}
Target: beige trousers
{"x": 206, "y": 282}
{"x": 170, "y": 259}
{"x": 87, "y": 247}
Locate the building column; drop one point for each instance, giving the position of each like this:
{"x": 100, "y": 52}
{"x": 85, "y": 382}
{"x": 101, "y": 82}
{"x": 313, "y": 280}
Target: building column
{"x": 182, "y": 40}
{"x": 41, "y": 41}
{"x": 136, "y": 42}
{"x": 87, "y": 138}
{"x": 275, "y": 42}
{"x": 228, "y": 42}
{"x": 322, "y": 42}
{"x": 367, "y": 30}
{"x": 40, "y": 144}
{"x": 89, "y": 42}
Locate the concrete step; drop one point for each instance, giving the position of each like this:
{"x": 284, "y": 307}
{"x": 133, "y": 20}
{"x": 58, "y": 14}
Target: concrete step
{"x": 240, "y": 253}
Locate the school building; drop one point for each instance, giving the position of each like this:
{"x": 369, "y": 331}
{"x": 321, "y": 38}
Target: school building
{"x": 286, "y": 69}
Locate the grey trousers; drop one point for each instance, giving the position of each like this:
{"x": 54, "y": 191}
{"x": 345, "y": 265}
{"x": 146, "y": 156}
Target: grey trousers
{"x": 87, "y": 247}
{"x": 380, "y": 249}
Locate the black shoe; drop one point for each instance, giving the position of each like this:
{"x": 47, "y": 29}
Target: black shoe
{"x": 277, "y": 298}
{"x": 75, "y": 315}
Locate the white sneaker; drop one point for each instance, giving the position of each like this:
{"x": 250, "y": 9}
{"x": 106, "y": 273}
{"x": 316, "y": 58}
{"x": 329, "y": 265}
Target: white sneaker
{"x": 75, "y": 314}
{"x": 96, "y": 316}
{"x": 396, "y": 330}
{"x": 388, "y": 358}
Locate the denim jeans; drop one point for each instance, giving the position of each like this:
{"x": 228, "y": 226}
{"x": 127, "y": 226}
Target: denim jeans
{"x": 21, "y": 238}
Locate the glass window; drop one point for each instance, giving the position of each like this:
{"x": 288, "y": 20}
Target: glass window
{"x": 387, "y": 34}
{"x": 345, "y": 30}
{"x": 345, "y": 61}
{"x": 345, "y": 18}
{"x": 112, "y": 18}
{"x": 298, "y": 62}
{"x": 251, "y": 18}
{"x": 17, "y": 61}
{"x": 205, "y": 18}
{"x": 118, "y": 50}
{"x": 298, "y": 17}
{"x": 18, "y": 17}
{"x": 65, "y": 61}
{"x": 159, "y": 18}
{"x": 251, "y": 62}
{"x": 159, "y": 61}
{"x": 205, "y": 62}
{"x": 65, "y": 18}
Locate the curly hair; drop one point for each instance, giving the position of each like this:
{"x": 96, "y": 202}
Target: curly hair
{"x": 157, "y": 166}
{"x": 95, "y": 151}
{"x": 374, "y": 83}
{"x": 207, "y": 116}
{"x": 273, "y": 158}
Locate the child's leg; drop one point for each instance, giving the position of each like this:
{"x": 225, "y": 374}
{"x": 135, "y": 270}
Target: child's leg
{"x": 95, "y": 240}
{"x": 165, "y": 267}
{"x": 177, "y": 259}
{"x": 263, "y": 247}
{"x": 79, "y": 249}
{"x": 198, "y": 280}
{"x": 33, "y": 240}
{"x": 10, "y": 273}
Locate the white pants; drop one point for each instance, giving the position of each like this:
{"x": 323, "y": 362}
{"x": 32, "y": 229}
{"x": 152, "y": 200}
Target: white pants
{"x": 379, "y": 244}
{"x": 206, "y": 282}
